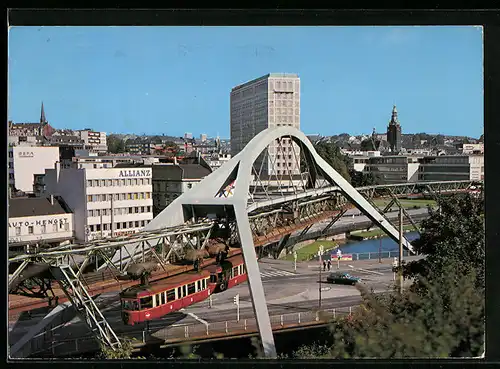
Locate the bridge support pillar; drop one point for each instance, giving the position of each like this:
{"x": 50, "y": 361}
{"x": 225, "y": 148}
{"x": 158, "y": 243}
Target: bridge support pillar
{"x": 255, "y": 282}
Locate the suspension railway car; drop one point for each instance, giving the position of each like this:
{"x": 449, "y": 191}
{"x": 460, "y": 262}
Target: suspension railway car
{"x": 157, "y": 299}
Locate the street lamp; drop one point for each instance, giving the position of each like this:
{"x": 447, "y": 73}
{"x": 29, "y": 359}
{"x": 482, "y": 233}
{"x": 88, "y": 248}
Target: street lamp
{"x": 320, "y": 257}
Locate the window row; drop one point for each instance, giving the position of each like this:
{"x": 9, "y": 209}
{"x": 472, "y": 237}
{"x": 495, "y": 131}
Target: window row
{"x": 119, "y": 225}
{"x": 165, "y": 297}
{"x": 120, "y": 211}
{"x": 118, "y": 182}
{"x": 119, "y": 196}
{"x": 43, "y": 229}
{"x": 237, "y": 270}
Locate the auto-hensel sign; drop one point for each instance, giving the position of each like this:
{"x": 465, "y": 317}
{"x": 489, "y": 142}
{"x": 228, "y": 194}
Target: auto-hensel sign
{"x": 38, "y": 222}
{"x": 135, "y": 173}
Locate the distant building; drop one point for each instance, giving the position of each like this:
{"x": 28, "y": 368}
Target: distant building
{"x": 188, "y": 136}
{"x": 97, "y": 162}
{"x": 472, "y": 148}
{"x": 94, "y": 141}
{"x": 106, "y": 202}
{"x": 217, "y": 160}
{"x": 25, "y": 162}
{"x": 393, "y": 169}
{"x": 203, "y": 137}
{"x": 172, "y": 180}
{"x": 451, "y": 168}
{"x": 139, "y": 147}
{"x": 46, "y": 221}
{"x": 394, "y": 132}
{"x": 35, "y": 133}
{"x": 269, "y": 101}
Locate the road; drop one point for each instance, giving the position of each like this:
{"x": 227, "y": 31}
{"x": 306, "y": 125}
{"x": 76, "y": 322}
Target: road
{"x": 286, "y": 292}
{"x": 353, "y": 216}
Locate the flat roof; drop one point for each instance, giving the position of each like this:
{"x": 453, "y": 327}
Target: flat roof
{"x": 282, "y": 75}
{"x": 36, "y": 206}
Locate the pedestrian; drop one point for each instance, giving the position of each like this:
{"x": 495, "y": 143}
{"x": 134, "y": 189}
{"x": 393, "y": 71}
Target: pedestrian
{"x": 324, "y": 265}
{"x": 329, "y": 264}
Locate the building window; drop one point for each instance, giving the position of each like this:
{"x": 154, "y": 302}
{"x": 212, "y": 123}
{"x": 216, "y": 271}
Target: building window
{"x": 142, "y": 209}
{"x": 142, "y": 223}
{"x": 89, "y": 183}
{"x": 137, "y": 224}
{"x": 97, "y": 227}
{"x": 124, "y": 225}
{"x": 54, "y": 228}
{"x": 149, "y": 209}
{"x": 91, "y": 227}
{"x": 104, "y": 227}
{"x": 91, "y": 213}
{"x": 89, "y": 198}
{"x": 66, "y": 227}
{"x": 148, "y": 195}
{"x": 136, "y": 196}
{"x": 44, "y": 228}
{"x": 129, "y": 196}
{"x": 131, "y": 224}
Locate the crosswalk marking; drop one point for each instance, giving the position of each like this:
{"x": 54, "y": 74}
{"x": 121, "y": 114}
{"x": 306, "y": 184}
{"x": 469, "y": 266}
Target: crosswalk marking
{"x": 275, "y": 273}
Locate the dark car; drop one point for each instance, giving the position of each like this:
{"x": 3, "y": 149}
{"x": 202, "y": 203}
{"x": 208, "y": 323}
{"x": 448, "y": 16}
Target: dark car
{"x": 342, "y": 278}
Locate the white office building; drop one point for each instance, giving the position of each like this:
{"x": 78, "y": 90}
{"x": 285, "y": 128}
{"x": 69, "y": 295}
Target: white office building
{"x": 269, "y": 101}
{"x": 106, "y": 202}
{"x": 451, "y": 168}
{"x": 26, "y": 161}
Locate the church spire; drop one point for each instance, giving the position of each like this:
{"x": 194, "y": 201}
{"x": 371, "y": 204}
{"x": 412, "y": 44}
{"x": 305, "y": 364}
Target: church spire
{"x": 42, "y": 115}
{"x": 394, "y": 116}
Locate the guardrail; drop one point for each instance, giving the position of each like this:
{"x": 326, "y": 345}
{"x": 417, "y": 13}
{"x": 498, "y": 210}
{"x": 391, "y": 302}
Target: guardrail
{"x": 189, "y": 332}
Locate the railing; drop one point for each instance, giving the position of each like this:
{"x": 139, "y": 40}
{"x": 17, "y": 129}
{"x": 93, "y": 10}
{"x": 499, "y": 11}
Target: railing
{"x": 365, "y": 255}
{"x": 199, "y": 331}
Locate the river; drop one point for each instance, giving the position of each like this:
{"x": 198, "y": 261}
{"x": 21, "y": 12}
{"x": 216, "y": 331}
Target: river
{"x": 368, "y": 249}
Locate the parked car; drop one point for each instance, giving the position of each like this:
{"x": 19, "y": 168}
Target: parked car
{"x": 342, "y": 278}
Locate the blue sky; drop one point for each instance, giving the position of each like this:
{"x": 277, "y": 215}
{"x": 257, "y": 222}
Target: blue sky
{"x": 172, "y": 80}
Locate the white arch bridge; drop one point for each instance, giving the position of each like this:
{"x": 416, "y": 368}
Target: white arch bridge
{"x": 255, "y": 199}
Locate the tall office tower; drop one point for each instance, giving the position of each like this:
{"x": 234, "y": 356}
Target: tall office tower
{"x": 394, "y": 132}
{"x": 269, "y": 101}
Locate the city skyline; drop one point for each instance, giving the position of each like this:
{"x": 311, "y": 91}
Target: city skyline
{"x": 171, "y": 80}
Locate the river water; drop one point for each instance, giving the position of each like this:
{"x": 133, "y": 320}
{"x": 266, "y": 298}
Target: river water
{"x": 369, "y": 249}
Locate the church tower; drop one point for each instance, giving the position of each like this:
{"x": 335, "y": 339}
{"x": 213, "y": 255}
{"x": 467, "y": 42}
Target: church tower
{"x": 394, "y": 132}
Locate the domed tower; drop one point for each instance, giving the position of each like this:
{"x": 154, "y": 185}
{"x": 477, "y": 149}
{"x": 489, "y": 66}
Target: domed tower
{"x": 394, "y": 132}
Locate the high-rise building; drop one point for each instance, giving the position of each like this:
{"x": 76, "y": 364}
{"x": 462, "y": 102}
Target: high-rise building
{"x": 272, "y": 100}
{"x": 394, "y": 132}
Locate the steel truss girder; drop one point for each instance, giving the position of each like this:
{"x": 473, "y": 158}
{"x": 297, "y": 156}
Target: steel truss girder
{"x": 335, "y": 219}
{"x": 85, "y": 306}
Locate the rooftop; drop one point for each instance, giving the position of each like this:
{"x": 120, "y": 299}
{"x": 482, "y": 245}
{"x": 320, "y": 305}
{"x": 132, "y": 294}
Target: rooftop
{"x": 36, "y": 206}
{"x": 278, "y": 75}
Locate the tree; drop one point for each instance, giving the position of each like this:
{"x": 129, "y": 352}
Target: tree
{"x": 442, "y": 313}
{"x": 116, "y": 145}
{"x": 360, "y": 179}
{"x": 370, "y": 145}
{"x": 427, "y": 323}
{"x": 332, "y": 155}
{"x": 452, "y": 235}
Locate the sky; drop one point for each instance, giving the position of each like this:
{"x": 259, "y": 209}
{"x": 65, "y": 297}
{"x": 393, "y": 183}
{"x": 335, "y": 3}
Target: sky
{"x": 172, "y": 80}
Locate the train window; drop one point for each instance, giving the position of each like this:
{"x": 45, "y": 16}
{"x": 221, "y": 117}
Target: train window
{"x": 213, "y": 278}
{"x": 191, "y": 288}
{"x": 130, "y": 305}
{"x": 185, "y": 290}
{"x": 236, "y": 271}
{"x": 146, "y": 302}
{"x": 162, "y": 298}
{"x": 170, "y": 295}
{"x": 198, "y": 287}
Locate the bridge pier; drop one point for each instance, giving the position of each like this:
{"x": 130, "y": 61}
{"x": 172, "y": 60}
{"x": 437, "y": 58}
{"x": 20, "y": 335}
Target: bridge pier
{"x": 255, "y": 282}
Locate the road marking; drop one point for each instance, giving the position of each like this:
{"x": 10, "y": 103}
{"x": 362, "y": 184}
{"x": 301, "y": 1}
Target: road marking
{"x": 276, "y": 273}
{"x": 195, "y": 317}
{"x": 365, "y": 270}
